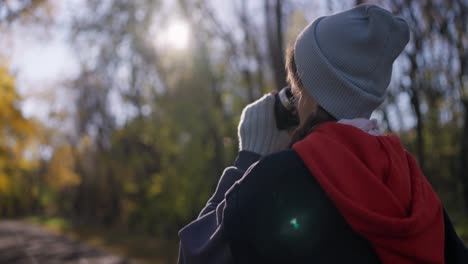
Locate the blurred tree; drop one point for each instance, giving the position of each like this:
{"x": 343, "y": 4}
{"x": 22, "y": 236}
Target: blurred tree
{"x": 463, "y": 167}
{"x": 274, "y": 22}
{"x": 254, "y": 45}
{"x": 119, "y": 71}
{"x": 16, "y": 158}
{"x": 22, "y": 140}
{"x": 25, "y": 11}
{"x": 152, "y": 167}
{"x": 436, "y": 76}
{"x": 12, "y": 9}
{"x": 459, "y": 37}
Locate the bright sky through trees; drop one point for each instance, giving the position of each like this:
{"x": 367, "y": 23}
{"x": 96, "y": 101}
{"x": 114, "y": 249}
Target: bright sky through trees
{"x": 176, "y": 35}
{"x": 42, "y": 61}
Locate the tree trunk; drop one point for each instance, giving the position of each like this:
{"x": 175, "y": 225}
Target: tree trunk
{"x": 463, "y": 170}
{"x": 275, "y": 36}
{"x": 415, "y": 101}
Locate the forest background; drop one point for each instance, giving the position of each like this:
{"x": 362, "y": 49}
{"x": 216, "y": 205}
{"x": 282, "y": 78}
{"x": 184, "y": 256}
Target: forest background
{"x": 117, "y": 117}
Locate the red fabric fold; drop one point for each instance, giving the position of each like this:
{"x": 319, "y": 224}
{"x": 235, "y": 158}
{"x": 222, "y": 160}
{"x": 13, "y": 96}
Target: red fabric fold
{"x": 379, "y": 189}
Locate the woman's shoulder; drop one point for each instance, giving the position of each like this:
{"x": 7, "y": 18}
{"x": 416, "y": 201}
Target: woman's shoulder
{"x": 273, "y": 175}
{"x": 270, "y": 173}
{"x": 279, "y": 210}
{"x": 283, "y": 177}
{"x": 278, "y": 164}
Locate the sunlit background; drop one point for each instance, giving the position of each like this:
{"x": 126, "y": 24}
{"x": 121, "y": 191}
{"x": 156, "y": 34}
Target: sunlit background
{"x": 117, "y": 117}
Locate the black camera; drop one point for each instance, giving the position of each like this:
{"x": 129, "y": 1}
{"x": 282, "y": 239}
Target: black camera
{"x": 285, "y": 110}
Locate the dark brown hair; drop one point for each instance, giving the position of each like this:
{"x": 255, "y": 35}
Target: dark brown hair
{"x": 317, "y": 118}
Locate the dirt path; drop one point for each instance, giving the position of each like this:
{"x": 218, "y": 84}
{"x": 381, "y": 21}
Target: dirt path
{"x": 24, "y": 243}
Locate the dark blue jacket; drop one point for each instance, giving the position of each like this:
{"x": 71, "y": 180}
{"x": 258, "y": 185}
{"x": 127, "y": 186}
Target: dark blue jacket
{"x": 274, "y": 211}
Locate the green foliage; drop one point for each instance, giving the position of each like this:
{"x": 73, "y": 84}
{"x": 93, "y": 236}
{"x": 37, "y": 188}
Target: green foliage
{"x": 54, "y": 223}
{"x": 442, "y": 144}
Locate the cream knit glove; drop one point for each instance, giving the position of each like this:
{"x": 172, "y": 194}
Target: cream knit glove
{"x": 257, "y": 128}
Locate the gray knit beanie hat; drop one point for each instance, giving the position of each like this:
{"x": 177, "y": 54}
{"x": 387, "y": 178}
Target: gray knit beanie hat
{"x": 345, "y": 60}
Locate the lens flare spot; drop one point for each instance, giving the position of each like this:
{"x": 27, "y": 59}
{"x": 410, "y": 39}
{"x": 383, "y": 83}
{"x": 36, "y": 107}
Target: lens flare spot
{"x": 294, "y": 223}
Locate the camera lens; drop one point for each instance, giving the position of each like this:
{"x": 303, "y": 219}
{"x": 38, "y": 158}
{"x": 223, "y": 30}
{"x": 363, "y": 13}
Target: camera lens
{"x": 285, "y": 110}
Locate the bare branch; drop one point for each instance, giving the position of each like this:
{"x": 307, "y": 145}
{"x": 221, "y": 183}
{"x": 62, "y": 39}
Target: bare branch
{"x": 8, "y": 14}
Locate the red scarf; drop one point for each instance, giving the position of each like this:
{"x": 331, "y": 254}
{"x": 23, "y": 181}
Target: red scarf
{"x": 379, "y": 189}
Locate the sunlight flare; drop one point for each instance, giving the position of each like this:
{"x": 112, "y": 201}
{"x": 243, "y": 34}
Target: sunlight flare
{"x": 176, "y": 35}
